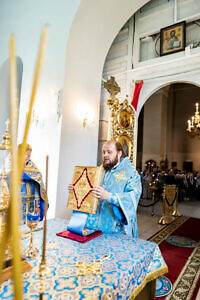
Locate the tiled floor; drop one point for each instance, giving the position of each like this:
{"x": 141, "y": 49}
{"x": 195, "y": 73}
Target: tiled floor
{"x": 148, "y": 225}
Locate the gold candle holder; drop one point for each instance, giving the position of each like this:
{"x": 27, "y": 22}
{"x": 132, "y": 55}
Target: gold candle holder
{"x": 32, "y": 222}
{"x": 153, "y": 188}
{"x": 164, "y": 220}
{"x": 43, "y": 270}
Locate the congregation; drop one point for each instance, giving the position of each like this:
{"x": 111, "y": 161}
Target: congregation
{"x": 188, "y": 183}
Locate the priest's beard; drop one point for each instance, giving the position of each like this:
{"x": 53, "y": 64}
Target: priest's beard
{"x": 110, "y": 165}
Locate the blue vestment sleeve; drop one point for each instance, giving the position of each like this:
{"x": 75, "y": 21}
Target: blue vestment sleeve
{"x": 116, "y": 209}
{"x": 114, "y": 201}
{"x": 128, "y": 202}
{"x": 26, "y": 177}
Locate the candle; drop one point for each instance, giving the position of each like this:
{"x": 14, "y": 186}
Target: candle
{"x": 34, "y": 89}
{"x": 192, "y": 121}
{"x": 14, "y": 177}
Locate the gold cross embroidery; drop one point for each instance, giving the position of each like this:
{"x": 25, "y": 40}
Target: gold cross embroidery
{"x": 93, "y": 268}
{"x": 120, "y": 176}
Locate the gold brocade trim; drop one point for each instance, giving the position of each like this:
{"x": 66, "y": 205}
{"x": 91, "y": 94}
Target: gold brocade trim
{"x": 29, "y": 169}
{"x": 153, "y": 275}
{"x": 33, "y": 172}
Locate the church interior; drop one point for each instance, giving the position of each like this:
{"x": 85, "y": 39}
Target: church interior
{"x": 75, "y": 75}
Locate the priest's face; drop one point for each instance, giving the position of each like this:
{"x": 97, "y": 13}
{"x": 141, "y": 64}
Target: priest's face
{"x": 28, "y": 156}
{"x": 110, "y": 155}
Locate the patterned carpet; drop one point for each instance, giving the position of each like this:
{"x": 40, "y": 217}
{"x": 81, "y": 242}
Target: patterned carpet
{"x": 183, "y": 260}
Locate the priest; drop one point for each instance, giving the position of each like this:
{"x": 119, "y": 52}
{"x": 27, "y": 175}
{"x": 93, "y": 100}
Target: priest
{"x": 33, "y": 193}
{"x": 118, "y": 194}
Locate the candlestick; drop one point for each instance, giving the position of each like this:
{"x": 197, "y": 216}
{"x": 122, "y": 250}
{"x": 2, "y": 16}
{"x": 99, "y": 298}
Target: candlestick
{"x": 32, "y": 221}
{"x": 42, "y": 268}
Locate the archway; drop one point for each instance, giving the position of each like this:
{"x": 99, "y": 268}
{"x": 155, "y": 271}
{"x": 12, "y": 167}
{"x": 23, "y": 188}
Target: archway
{"x": 162, "y": 137}
{"x": 164, "y": 134}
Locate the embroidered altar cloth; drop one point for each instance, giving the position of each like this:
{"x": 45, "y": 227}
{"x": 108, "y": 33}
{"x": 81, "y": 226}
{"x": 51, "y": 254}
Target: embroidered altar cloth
{"x": 131, "y": 263}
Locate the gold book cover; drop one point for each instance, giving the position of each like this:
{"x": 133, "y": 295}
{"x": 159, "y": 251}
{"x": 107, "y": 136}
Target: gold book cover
{"x": 81, "y": 197}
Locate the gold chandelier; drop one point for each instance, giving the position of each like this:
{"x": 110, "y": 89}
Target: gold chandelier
{"x": 193, "y": 128}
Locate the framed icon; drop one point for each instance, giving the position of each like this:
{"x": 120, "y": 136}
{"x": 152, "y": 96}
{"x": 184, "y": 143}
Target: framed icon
{"x": 124, "y": 119}
{"x": 172, "y": 38}
{"x": 126, "y": 144}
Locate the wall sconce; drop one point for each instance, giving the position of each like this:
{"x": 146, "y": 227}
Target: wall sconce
{"x": 35, "y": 118}
{"x": 84, "y": 122}
{"x": 57, "y": 102}
{"x": 86, "y": 114}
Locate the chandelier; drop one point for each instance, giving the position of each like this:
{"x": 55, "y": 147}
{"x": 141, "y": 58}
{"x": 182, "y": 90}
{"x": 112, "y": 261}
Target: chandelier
{"x": 193, "y": 128}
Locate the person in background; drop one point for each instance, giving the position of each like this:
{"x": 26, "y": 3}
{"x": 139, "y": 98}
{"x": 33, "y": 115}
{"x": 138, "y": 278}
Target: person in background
{"x": 33, "y": 193}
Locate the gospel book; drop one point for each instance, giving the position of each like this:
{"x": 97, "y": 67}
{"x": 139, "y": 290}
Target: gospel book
{"x": 81, "y": 197}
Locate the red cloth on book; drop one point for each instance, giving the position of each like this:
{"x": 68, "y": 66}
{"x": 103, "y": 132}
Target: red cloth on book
{"x": 79, "y": 238}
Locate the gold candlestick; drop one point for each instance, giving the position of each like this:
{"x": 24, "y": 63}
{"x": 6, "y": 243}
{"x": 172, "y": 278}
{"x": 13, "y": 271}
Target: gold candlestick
{"x": 153, "y": 188}
{"x": 43, "y": 268}
{"x": 14, "y": 178}
{"x": 32, "y": 224}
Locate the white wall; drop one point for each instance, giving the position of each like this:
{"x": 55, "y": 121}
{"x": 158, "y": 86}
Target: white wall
{"x": 4, "y": 98}
{"x": 95, "y": 26}
{"x": 25, "y": 19}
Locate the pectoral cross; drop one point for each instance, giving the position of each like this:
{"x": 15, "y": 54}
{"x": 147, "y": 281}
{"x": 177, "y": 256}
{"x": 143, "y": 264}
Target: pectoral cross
{"x": 112, "y": 87}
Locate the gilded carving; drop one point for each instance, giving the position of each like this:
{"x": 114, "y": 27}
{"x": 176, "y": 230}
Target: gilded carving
{"x": 122, "y": 120}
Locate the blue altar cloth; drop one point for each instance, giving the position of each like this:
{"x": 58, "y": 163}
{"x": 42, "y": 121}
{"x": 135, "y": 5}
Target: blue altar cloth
{"x": 131, "y": 264}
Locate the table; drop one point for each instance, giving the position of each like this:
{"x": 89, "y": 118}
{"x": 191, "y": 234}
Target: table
{"x": 130, "y": 265}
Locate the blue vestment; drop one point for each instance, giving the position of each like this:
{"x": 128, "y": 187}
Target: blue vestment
{"x": 118, "y": 214}
{"x": 32, "y": 190}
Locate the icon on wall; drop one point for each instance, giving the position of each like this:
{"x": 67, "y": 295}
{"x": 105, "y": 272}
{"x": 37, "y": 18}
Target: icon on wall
{"x": 172, "y": 38}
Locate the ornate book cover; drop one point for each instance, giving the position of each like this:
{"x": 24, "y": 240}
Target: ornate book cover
{"x": 81, "y": 198}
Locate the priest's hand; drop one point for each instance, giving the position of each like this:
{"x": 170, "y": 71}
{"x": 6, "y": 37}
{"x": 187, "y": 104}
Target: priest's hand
{"x": 70, "y": 187}
{"x": 100, "y": 193}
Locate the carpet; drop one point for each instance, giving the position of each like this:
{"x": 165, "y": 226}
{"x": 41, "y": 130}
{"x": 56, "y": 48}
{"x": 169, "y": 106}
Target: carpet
{"x": 179, "y": 243}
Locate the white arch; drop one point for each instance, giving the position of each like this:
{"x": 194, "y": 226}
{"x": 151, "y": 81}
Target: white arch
{"x": 149, "y": 89}
{"x": 93, "y": 30}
